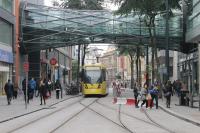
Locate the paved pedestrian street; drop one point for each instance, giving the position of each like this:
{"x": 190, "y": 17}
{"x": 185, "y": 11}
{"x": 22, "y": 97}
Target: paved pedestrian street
{"x": 92, "y": 113}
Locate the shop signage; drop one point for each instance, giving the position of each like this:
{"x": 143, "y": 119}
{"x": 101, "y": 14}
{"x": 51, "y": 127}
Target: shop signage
{"x": 6, "y": 56}
{"x": 53, "y": 61}
{"x": 26, "y": 66}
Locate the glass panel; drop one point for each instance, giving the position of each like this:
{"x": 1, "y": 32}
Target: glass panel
{"x": 5, "y": 33}
{"x": 7, "y": 5}
{"x": 92, "y": 75}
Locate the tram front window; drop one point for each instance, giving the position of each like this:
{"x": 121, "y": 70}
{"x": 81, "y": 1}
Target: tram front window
{"x": 92, "y": 76}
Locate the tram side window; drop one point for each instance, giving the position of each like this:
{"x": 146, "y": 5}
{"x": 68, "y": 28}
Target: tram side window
{"x": 104, "y": 75}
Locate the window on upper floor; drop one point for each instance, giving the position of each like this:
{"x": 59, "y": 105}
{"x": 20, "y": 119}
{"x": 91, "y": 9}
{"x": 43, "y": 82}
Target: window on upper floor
{"x": 7, "y": 5}
{"x": 6, "y": 36}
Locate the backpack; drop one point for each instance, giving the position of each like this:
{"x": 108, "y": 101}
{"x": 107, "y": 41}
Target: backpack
{"x": 32, "y": 85}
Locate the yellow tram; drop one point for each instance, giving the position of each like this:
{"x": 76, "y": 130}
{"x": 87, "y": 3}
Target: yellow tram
{"x": 94, "y": 80}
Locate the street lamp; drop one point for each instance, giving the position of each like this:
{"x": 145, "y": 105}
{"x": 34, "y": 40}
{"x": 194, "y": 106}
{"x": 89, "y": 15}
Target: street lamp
{"x": 147, "y": 64}
{"x": 167, "y": 39}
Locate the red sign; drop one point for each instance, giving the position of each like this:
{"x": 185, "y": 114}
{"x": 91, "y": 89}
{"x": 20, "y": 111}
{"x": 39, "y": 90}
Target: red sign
{"x": 53, "y": 61}
{"x": 26, "y": 66}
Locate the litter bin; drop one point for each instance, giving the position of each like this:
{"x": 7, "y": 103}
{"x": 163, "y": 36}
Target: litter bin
{"x": 183, "y": 99}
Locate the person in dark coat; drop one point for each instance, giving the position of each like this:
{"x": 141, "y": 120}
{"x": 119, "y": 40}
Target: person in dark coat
{"x": 43, "y": 91}
{"x": 168, "y": 92}
{"x": 24, "y": 88}
{"x": 58, "y": 88}
{"x": 9, "y": 91}
{"x": 15, "y": 91}
{"x": 135, "y": 91}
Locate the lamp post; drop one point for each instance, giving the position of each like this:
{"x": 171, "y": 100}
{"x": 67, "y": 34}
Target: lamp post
{"x": 167, "y": 39}
{"x": 147, "y": 64}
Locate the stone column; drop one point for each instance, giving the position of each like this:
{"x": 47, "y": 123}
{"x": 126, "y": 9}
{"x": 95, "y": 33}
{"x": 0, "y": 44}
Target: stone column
{"x": 199, "y": 72}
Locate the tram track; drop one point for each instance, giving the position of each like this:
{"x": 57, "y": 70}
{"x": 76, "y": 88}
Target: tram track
{"x": 120, "y": 125}
{"x": 120, "y": 120}
{"x": 75, "y": 115}
{"x": 152, "y": 123}
{"x": 18, "y": 116}
{"x": 46, "y": 115}
{"x": 161, "y": 126}
{"x": 88, "y": 107}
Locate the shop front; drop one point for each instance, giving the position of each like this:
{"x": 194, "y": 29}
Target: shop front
{"x": 6, "y": 60}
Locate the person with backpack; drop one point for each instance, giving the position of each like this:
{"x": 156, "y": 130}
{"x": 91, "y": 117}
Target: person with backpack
{"x": 9, "y": 91}
{"x": 31, "y": 88}
{"x": 153, "y": 91}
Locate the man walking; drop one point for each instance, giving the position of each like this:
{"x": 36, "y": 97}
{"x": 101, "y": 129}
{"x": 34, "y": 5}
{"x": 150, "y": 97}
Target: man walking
{"x": 9, "y": 91}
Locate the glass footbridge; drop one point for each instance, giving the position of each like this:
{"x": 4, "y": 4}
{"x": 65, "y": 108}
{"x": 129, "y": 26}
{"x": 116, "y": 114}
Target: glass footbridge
{"x": 45, "y": 27}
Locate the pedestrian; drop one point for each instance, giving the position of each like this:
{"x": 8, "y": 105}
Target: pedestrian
{"x": 143, "y": 96}
{"x": 24, "y": 88}
{"x": 153, "y": 91}
{"x": 168, "y": 92}
{"x": 118, "y": 88}
{"x": 43, "y": 91}
{"x": 37, "y": 89}
{"x": 9, "y": 91}
{"x": 31, "y": 88}
{"x": 58, "y": 88}
{"x": 49, "y": 87}
{"x": 15, "y": 92}
{"x": 135, "y": 90}
{"x": 114, "y": 86}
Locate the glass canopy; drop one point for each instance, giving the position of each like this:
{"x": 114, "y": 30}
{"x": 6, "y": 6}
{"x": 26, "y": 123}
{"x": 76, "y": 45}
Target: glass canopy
{"x": 45, "y": 27}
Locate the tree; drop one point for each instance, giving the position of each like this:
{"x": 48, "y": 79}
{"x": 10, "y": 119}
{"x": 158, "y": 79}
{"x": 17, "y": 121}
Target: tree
{"x": 74, "y": 69}
{"x": 80, "y": 4}
{"x": 149, "y": 9}
{"x": 131, "y": 52}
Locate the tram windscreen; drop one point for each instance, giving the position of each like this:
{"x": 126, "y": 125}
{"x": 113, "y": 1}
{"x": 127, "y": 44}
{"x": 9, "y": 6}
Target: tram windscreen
{"x": 92, "y": 75}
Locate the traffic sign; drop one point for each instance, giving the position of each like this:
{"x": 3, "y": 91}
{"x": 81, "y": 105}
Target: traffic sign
{"x": 53, "y": 61}
{"x": 26, "y": 66}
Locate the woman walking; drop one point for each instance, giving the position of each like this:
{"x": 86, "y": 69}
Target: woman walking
{"x": 168, "y": 92}
{"x": 43, "y": 91}
{"x": 143, "y": 95}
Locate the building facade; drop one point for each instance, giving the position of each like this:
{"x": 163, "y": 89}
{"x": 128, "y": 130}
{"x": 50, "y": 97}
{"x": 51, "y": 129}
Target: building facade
{"x": 189, "y": 66}
{"x": 7, "y": 41}
{"x": 111, "y": 60}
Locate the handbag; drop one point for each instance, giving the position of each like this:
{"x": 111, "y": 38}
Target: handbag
{"x": 167, "y": 94}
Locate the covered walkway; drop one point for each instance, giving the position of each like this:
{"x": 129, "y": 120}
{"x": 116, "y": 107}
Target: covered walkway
{"x": 45, "y": 27}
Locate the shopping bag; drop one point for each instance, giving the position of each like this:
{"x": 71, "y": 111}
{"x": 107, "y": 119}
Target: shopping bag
{"x": 47, "y": 94}
{"x": 148, "y": 97}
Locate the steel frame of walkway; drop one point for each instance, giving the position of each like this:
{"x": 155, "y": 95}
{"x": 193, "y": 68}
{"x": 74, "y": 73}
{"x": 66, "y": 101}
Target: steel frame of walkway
{"x": 45, "y": 27}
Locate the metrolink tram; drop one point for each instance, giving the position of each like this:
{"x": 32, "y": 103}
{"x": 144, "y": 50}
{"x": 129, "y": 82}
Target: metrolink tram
{"x": 94, "y": 80}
